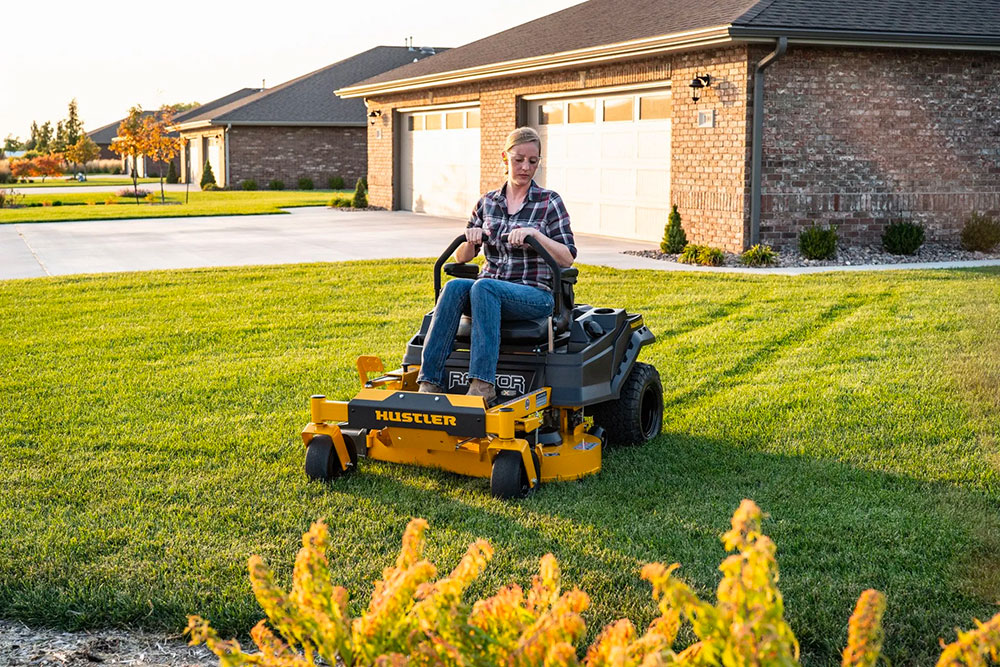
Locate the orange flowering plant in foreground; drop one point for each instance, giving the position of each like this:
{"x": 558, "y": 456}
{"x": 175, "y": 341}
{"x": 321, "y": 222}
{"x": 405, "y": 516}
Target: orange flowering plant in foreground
{"x": 415, "y": 619}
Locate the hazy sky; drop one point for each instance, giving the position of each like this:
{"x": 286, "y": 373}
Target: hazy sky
{"x": 112, "y": 54}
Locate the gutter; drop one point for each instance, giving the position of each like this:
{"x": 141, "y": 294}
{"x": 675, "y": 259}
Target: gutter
{"x": 757, "y": 138}
{"x": 201, "y": 124}
{"x": 225, "y": 139}
{"x": 870, "y": 38}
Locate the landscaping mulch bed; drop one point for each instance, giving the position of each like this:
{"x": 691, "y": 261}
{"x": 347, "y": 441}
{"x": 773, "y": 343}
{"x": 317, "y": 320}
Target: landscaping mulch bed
{"x": 851, "y": 256}
{"x": 21, "y": 646}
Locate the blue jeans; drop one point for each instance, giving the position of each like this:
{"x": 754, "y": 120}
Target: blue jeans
{"x": 490, "y": 301}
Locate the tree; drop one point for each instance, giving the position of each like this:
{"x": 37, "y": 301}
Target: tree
{"x": 23, "y": 168}
{"x": 49, "y": 165}
{"x": 83, "y": 151}
{"x": 12, "y": 144}
{"x": 207, "y": 177}
{"x": 73, "y": 126}
{"x": 160, "y": 146}
{"x": 360, "y": 199}
{"x": 172, "y": 176}
{"x": 131, "y": 142}
{"x": 674, "y": 238}
{"x": 44, "y": 137}
{"x": 32, "y": 141}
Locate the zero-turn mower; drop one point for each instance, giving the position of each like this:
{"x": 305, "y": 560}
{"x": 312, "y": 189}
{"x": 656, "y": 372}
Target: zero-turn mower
{"x": 567, "y": 385}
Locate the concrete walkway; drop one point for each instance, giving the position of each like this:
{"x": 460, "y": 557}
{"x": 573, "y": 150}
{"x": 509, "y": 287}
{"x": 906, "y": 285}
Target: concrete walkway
{"x": 314, "y": 234}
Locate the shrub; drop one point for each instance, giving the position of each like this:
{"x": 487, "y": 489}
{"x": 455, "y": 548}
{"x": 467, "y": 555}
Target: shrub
{"x": 980, "y": 233}
{"x": 817, "y": 242}
{"x": 674, "y": 238}
{"x": 249, "y": 184}
{"x": 6, "y": 177}
{"x": 10, "y": 199}
{"x": 335, "y": 183}
{"x": 340, "y": 202}
{"x": 152, "y": 197}
{"x": 210, "y": 187}
{"x": 413, "y": 619}
{"x": 276, "y": 185}
{"x": 207, "y": 177}
{"x": 364, "y": 182}
{"x": 360, "y": 199}
{"x": 130, "y": 192}
{"x": 305, "y": 183}
{"x": 902, "y": 237}
{"x": 701, "y": 254}
{"x": 759, "y": 255}
{"x": 57, "y": 202}
{"x": 172, "y": 176}
{"x": 109, "y": 201}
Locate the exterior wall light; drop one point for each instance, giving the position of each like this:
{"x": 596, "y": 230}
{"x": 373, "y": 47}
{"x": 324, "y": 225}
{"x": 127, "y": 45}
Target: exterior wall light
{"x": 373, "y": 114}
{"x": 697, "y": 84}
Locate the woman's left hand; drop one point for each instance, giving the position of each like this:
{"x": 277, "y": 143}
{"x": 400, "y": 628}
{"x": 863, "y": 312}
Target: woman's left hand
{"x": 518, "y": 236}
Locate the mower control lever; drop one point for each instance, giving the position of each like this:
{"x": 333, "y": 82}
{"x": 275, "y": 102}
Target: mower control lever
{"x": 535, "y": 245}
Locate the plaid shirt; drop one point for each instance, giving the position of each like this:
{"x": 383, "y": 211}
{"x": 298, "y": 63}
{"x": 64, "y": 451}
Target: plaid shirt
{"x": 543, "y": 210}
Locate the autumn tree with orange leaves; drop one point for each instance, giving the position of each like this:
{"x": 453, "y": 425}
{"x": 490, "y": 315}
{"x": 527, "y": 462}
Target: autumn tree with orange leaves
{"x": 132, "y": 142}
{"x": 160, "y": 146}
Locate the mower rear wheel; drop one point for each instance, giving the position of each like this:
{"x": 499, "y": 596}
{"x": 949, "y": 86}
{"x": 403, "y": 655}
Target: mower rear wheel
{"x": 509, "y": 479}
{"x": 637, "y": 416}
{"x": 322, "y": 462}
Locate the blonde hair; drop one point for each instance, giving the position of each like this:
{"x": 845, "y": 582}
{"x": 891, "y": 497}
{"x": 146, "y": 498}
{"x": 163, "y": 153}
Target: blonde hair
{"x": 522, "y": 135}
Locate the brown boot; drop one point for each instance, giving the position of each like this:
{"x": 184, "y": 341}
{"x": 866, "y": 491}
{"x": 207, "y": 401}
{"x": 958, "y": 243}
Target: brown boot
{"x": 484, "y": 389}
{"x": 430, "y": 388}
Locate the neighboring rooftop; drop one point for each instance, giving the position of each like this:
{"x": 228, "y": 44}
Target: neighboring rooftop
{"x": 599, "y": 23}
{"x": 308, "y": 99}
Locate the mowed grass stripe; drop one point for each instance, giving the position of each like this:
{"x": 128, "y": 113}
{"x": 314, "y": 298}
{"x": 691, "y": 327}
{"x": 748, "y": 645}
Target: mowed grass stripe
{"x": 149, "y": 444}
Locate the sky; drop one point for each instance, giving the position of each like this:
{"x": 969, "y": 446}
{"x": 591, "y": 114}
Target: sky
{"x": 111, "y": 55}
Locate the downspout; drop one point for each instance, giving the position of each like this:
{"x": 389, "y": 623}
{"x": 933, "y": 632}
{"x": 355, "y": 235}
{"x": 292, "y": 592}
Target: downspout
{"x": 757, "y": 137}
{"x": 225, "y": 138}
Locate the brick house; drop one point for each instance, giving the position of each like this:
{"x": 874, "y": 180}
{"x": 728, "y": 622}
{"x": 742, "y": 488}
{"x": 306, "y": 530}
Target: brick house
{"x": 868, "y": 110}
{"x": 298, "y": 129}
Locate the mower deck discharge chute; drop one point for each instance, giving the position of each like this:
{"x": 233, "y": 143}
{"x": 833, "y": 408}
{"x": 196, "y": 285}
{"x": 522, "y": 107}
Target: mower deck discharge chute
{"x": 567, "y": 385}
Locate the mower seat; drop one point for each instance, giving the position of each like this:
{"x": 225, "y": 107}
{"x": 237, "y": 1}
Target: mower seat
{"x": 525, "y": 332}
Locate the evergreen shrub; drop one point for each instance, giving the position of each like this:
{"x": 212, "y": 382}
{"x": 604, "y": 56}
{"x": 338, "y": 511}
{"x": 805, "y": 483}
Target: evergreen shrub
{"x": 360, "y": 199}
{"x": 276, "y": 184}
{"x": 902, "y": 237}
{"x": 817, "y": 242}
{"x": 306, "y": 183}
{"x": 335, "y": 183}
{"x": 674, "y": 238}
{"x": 981, "y": 233}
{"x": 207, "y": 177}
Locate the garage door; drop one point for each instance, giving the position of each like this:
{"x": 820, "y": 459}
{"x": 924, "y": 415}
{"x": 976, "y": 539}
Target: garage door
{"x": 609, "y": 158}
{"x": 439, "y": 162}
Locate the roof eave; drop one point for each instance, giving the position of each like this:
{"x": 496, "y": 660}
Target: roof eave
{"x": 202, "y": 124}
{"x": 869, "y": 38}
{"x": 606, "y": 53}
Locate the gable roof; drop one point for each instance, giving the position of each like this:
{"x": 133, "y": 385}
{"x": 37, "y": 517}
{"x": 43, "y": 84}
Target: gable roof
{"x": 603, "y": 30}
{"x": 105, "y": 133}
{"x": 308, "y": 99}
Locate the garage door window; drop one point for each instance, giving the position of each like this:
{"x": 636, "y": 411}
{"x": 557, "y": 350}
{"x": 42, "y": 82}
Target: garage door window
{"x": 654, "y": 107}
{"x": 472, "y": 119}
{"x": 618, "y": 109}
{"x": 454, "y": 120}
{"x": 416, "y": 123}
{"x": 433, "y": 121}
{"x": 550, "y": 113}
{"x": 581, "y": 111}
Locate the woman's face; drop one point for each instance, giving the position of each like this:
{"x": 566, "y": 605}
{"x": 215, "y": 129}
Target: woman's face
{"x": 522, "y": 163}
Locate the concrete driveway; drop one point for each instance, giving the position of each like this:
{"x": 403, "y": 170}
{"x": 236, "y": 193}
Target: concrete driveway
{"x": 314, "y": 234}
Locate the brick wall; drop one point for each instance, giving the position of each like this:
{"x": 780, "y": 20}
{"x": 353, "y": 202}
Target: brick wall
{"x": 289, "y": 153}
{"x": 859, "y": 137}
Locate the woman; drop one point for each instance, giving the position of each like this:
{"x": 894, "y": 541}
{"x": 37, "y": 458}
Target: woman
{"x": 515, "y": 283}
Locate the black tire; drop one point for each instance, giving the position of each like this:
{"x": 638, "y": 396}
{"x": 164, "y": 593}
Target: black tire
{"x": 637, "y": 416}
{"x": 509, "y": 478}
{"x": 322, "y": 462}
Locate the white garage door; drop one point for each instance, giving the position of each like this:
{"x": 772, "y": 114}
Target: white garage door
{"x": 609, "y": 158}
{"x": 439, "y": 162}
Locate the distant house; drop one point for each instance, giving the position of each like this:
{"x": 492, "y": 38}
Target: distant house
{"x": 866, "y": 111}
{"x": 298, "y": 129}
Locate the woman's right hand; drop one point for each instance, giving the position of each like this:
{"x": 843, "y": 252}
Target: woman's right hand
{"x": 475, "y": 235}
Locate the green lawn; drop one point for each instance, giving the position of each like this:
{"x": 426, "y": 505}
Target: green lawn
{"x": 91, "y": 182}
{"x": 93, "y": 205}
{"x": 149, "y": 444}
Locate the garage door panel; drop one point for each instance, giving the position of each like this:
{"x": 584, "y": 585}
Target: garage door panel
{"x": 439, "y": 169}
{"x": 614, "y": 175}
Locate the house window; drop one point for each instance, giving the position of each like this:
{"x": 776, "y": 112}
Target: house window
{"x": 416, "y": 123}
{"x": 618, "y": 109}
{"x": 432, "y": 121}
{"x": 581, "y": 111}
{"x": 453, "y": 120}
{"x": 654, "y": 107}
{"x": 550, "y": 113}
{"x": 472, "y": 118}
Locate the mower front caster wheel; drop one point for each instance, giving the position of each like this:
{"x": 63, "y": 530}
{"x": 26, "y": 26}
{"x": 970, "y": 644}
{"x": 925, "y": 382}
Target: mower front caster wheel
{"x": 322, "y": 462}
{"x": 509, "y": 479}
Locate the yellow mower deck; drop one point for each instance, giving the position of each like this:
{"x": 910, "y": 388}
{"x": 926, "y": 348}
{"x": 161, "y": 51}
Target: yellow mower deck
{"x": 457, "y": 433}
